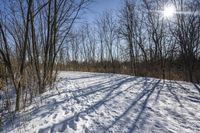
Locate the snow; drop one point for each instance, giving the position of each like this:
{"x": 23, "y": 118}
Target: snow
{"x": 98, "y": 102}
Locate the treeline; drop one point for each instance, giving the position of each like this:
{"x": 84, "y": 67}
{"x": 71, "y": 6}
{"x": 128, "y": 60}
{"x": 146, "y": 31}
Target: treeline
{"x": 139, "y": 40}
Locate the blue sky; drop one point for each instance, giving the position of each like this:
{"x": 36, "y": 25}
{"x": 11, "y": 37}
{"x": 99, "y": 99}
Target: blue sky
{"x": 98, "y": 6}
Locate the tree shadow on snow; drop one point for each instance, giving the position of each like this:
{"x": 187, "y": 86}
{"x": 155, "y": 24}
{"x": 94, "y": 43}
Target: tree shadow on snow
{"x": 146, "y": 93}
{"x": 197, "y": 87}
{"x": 109, "y": 89}
{"x": 88, "y": 76}
{"x": 111, "y": 93}
{"x": 176, "y": 92}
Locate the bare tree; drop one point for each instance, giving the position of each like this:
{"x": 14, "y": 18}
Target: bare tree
{"x": 31, "y": 38}
{"x": 157, "y": 33}
{"x": 131, "y": 26}
{"x": 187, "y": 34}
{"x": 107, "y": 25}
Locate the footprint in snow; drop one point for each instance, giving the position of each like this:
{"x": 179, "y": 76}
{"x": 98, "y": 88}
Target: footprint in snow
{"x": 54, "y": 100}
{"x": 78, "y": 101}
{"x": 66, "y": 112}
{"x": 101, "y": 114}
{"x": 44, "y": 130}
{"x": 72, "y": 124}
{"x": 83, "y": 116}
{"x": 66, "y": 96}
{"x": 64, "y": 108}
{"x": 87, "y": 130}
{"x": 58, "y": 128}
{"x": 54, "y": 117}
{"x": 45, "y": 121}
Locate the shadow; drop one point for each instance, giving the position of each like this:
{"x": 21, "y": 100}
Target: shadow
{"x": 90, "y": 75}
{"x": 83, "y": 90}
{"x": 108, "y": 88}
{"x": 159, "y": 91}
{"x": 140, "y": 93}
{"x": 95, "y": 84}
{"x": 176, "y": 90}
{"x": 100, "y": 87}
{"x": 144, "y": 105}
{"x": 171, "y": 88}
{"x": 187, "y": 90}
{"x": 192, "y": 96}
{"x": 197, "y": 87}
{"x": 111, "y": 93}
{"x": 138, "y": 97}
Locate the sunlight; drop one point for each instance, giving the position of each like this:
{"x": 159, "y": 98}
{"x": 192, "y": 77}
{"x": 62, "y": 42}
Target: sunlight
{"x": 169, "y": 11}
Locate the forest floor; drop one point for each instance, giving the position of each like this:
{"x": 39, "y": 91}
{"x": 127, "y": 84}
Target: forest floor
{"x": 99, "y": 102}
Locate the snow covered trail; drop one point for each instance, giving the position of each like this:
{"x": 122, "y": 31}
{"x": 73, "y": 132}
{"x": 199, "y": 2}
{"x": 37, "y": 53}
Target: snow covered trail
{"x": 97, "y": 102}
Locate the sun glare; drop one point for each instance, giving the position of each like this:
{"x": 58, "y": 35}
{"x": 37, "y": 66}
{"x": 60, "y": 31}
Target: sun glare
{"x": 169, "y": 11}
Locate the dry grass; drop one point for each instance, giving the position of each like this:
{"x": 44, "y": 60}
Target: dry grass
{"x": 172, "y": 72}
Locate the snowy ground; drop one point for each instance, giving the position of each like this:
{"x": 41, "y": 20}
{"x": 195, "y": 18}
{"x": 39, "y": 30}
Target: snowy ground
{"x": 94, "y": 102}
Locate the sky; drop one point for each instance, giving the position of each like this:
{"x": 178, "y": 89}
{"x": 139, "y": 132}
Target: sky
{"x": 96, "y": 8}
{"x": 99, "y": 6}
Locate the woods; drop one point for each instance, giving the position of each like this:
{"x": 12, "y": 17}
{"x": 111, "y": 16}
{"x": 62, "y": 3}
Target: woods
{"x": 32, "y": 34}
{"x": 140, "y": 39}
{"x": 38, "y": 38}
